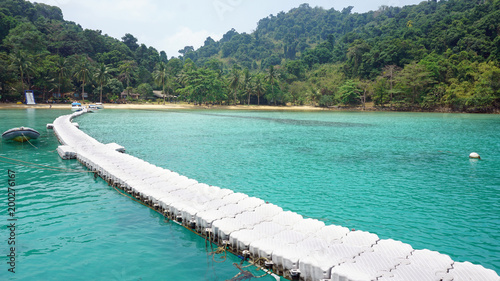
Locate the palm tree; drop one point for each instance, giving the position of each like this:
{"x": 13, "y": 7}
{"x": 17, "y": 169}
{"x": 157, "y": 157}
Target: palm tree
{"x": 126, "y": 71}
{"x": 258, "y": 88}
{"x": 21, "y": 63}
{"x": 234, "y": 82}
{"x": 181, "y": 78}
{"x": 160, "y": 75}
{"x": 83, "y": 73}
{"x": 271, "y": 78}
{"x": 62, "y": 69}
{"x": 101, "y": 77}
{"x": 247, "y": 83}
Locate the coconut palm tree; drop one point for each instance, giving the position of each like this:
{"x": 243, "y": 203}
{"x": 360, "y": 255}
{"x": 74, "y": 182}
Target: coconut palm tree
{"x": 258, "y": 88}
{"x": 234, "y": 82}
{"x": 21, "y": 62}
{"x": 247, "y": 83}
{"x": 126, "y": 71}
{"x": 83, "y": 73}
{"x": 63, "y": 70}
{"x": 160, "y": 75}
{"x": 102, "y": 76}
{"x": 271, "y": 78}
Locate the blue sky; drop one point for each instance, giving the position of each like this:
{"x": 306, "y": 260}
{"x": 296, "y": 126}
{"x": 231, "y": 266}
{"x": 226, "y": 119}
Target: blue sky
{"x": 170, "y": 25}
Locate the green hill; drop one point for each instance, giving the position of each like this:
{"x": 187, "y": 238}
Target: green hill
{"x": 41, "y": 51}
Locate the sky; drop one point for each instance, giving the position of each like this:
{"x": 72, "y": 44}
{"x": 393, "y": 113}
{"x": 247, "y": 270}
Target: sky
{"x": 169, "y": 25}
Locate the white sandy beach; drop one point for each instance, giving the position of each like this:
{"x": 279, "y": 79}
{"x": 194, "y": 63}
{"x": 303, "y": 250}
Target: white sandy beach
{"x": 151, "y": 106}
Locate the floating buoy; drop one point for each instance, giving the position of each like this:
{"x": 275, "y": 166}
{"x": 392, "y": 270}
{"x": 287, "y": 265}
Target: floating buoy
{"x": 474, "y": 155}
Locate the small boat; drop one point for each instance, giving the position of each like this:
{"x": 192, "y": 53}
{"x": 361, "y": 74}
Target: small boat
{"x": 20, "y": 134}
{"x": 92, "y": 108}
{"x": 99, "y": 105}
{"x": 76, "y": 106}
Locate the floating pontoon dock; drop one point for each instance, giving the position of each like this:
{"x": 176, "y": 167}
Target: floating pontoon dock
{"x": 292, "y": 246}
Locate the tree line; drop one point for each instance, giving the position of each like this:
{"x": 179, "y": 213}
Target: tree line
{"x": 436, "y": 55}
{"x": 433, "y": 56}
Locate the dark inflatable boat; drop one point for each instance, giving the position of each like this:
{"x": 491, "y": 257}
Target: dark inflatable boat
{"x": 20, "y": 134}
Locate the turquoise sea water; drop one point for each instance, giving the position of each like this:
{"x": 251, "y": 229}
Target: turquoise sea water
{"x": 404, "y": 176}
{"x": 71, "y": 226}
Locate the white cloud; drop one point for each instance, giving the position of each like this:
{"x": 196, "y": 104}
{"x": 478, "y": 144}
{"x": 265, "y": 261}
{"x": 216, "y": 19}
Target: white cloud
{"x": 119, "y": 12}
{"x": 185, "y": 37}
{"x": 58, "y": 3}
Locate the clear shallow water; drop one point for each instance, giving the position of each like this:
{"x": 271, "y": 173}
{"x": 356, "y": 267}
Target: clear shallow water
{"x": 404, "y": 176}
{"x": 73, "y": 227}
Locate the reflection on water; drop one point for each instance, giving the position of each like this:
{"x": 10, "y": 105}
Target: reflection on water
{"x": 296, "y": 122}
{"x": 31, "y": 114}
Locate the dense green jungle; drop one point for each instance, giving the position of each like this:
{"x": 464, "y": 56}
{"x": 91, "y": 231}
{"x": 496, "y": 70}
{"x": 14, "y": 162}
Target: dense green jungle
{"x": 434, "y": 56}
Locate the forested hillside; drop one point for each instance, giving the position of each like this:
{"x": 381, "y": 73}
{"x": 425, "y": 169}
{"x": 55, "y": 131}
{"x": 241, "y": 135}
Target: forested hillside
{"x": 55, "y": 58}
{"x": 433, "y": 56}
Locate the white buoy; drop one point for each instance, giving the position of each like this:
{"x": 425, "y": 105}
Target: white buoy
{"x": 474, "y": 155}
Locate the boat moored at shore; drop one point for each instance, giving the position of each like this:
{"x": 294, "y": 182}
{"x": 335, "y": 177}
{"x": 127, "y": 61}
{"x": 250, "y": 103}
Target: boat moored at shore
{"x": 76, "y": 106}
{"x": 92, "y": 108}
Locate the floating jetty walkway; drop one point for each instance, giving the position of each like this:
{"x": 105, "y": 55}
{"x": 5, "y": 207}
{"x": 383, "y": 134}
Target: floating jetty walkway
{"x": 282, "y": 241}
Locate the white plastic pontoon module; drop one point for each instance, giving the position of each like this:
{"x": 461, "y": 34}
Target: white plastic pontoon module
{"x": 66, "y": 152}
{"x": 214, "y": 204}
{"x": 269, "y": 210}
{"x": 251, "y": 202}
{"x": 381, "y": 259}
{"x": 254, "y": 216}
{"x": 332, "y": 233}
{"x": 288, "y": 257}
{"x": 360, "y": 238}
{"x": 263, "y": 248}
{"x": 319, "y": 264}
{"x": 233, "y": 209}
{"x": 421, "y": 265}
{"x": 309, "y": 226}
{"x": 234, "y": 198}
{"x": 269, "y": 228}
{"x": 393, "y": 249}
{"x": 117, "y": 147}
{"x": 241, "y": 239}
{"x": 206, "y": 218}
{"x": 287, "y": 219}
{"x": 466, "y": 271}
{"x": 224, "y": 227}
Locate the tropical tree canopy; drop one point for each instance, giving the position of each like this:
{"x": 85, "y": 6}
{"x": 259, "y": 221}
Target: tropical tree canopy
{"x": 432, "y": 56}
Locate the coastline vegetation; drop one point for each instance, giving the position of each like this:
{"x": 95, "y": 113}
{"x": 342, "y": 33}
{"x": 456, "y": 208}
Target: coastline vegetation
{"x": 438, "y": 55}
